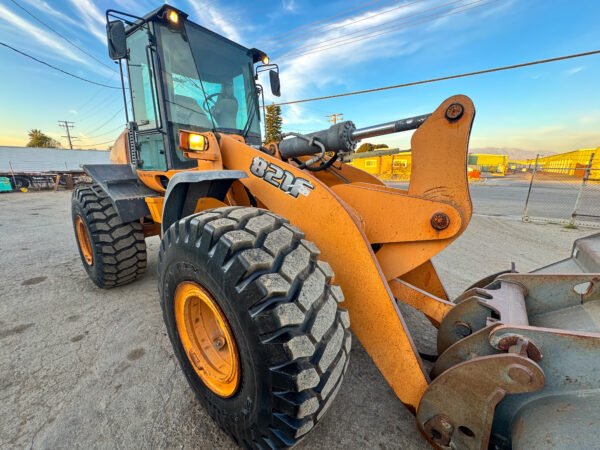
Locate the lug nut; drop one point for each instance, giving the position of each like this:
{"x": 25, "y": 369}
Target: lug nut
{"x": 219, "y": 342}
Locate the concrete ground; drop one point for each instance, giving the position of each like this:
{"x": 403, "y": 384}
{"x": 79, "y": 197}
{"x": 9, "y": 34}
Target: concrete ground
{"x": 83, "y": 367}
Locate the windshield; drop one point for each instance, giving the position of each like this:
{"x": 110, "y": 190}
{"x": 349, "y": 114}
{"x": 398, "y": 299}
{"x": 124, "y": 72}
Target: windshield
{"x": 209, "y": 82}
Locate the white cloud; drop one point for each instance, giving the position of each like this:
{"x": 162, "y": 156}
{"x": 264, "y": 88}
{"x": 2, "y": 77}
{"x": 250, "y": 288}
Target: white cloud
{"x": 289, "y": 5}
{"x": 304, "y": 75}
{"x": 215, "y": 20}
{"x": 47, "y": 9}
{"x": 72, "y": 111}
{"x": 92, "y": 17}
{"x": 31, "y": 31}
{"x": 574, "y": 70}
{"x": 588, "y": 120}
{"x": 309, "y": 75}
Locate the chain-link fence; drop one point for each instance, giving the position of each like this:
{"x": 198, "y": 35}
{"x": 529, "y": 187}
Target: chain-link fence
{"x": 565, "y": 191}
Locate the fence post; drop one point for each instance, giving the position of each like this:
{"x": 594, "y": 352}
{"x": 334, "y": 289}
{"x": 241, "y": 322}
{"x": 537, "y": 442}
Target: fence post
{"x": 525, "y": 218}
{"x": 581, "y": 188}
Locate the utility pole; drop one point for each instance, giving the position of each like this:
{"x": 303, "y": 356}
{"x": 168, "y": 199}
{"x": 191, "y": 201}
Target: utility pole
{"x": 66, "y": 124}
{"x": 334, "y": 118}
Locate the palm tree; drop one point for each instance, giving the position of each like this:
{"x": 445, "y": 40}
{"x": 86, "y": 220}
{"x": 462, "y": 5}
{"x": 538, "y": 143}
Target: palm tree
{"x": 39, "y": 139}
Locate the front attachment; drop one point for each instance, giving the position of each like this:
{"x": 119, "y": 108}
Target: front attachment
{"x": 518, "y": 364}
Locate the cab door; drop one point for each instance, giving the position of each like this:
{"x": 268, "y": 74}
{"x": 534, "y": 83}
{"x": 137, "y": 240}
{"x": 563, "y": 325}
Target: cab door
{"x": 145, "y": 103}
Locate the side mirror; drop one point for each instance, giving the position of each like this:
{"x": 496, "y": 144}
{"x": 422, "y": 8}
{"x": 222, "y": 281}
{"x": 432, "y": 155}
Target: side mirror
{"x": 275, "y": 84}
{"x": 115, "y": 33}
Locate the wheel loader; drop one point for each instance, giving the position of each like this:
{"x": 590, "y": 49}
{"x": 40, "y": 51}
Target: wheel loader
{"x": 270, "y": 254}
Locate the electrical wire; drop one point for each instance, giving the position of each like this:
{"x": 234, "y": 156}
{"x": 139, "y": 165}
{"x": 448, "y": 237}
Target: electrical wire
{"x": 89, "y": 100}
{"x": 105, "y": 123}
{"x": 63, "y": 37}
{"x": 56, "y": 68}
{"x": 395, "y": 29}
{"x": 98, "y": 109}
{"x": 378, "y": 30}
{"x": 315, "y": 22}
{"x": 327, "y": 29}
{"x": 119, "y": 127}
{"x": 450, "y": 77}
{"x": 97, "y": 143}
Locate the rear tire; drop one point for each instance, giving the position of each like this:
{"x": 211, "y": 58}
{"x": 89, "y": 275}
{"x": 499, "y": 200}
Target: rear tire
{"x": 292, "y": 339}
{"x": 114, "y": 252}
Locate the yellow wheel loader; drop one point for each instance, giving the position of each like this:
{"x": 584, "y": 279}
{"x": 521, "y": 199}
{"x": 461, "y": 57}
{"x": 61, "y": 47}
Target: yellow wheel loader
{"x": 271, "y": 254}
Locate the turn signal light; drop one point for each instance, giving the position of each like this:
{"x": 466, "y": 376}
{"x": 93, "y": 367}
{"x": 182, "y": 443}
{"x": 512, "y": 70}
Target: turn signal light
{"x": 192, "y": 141}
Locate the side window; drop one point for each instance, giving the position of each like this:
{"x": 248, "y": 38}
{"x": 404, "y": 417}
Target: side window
{"x": 141, "y": 82}
{"x": 239, "y": 91}
{"x": 152, "y": 152}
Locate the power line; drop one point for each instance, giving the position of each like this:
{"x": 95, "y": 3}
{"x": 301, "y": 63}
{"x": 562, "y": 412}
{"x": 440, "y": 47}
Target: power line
{"x": 98, "y": 109}
{"x": 120, "y": 127}
{"x": 107, "y": 122}
{"x": 450, "y": 77}
{"x": 98, "y": 143}
{"x": 327, "y": 29}
{"x": 390, "y": 29}
{"x": 317, "y": 21}
{"x": 63, "y": 37}
{"x": 394, "y": 29}
{"x": 56, "y": 68}
{"x": 90, "y": 108}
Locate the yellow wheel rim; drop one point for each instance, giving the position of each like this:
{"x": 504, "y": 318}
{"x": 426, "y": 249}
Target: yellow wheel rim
{"x": 83, "y": 238}
{"x": 207, "y": 339}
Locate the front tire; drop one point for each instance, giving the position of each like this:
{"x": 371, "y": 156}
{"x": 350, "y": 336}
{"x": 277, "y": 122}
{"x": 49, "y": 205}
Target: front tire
{"x": 291, "y": 339}
{"x": 113, "y": 252}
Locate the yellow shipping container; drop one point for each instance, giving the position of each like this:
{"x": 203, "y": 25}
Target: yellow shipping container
{"x": 567, "y": 163}
{"x": 386, "y": 167}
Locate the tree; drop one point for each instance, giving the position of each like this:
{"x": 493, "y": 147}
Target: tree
{"x": 273, "y": 121}
{"x": 39, "y": 139}
{"x": 368, "y": 147}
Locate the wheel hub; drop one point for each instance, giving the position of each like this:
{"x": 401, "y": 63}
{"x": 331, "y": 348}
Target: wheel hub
{"x": 207, "y": 338}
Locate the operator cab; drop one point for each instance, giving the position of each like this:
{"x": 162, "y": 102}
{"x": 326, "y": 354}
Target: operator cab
{"x": 183, "y": 77}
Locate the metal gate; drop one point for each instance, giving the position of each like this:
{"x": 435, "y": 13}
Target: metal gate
{"x": 566, "y": 192}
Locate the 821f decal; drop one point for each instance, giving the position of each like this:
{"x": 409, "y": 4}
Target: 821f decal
{"x": 278, "y": 177}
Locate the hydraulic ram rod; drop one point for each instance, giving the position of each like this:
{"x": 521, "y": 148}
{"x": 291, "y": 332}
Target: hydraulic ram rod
{"x": 412, "y": 123}
{"x": 342, "y": 137}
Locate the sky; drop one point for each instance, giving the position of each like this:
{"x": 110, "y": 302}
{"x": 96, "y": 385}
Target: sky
{"x": 367, "y": 44}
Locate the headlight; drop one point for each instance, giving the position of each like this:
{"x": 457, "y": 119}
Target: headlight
{"x": 173, "y": 17}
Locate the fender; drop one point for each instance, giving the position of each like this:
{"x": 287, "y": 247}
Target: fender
{"x": 185, "y": 188}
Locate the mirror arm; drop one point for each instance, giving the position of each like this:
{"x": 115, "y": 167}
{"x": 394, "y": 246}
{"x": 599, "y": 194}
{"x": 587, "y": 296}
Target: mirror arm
{"x": 263, "y": 68}
{"x": 117, "y": 15}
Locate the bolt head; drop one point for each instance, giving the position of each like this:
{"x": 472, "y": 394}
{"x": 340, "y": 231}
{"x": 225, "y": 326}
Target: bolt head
{"x": 219, "y": 342}
{"x": 440, "y": 221}
{"x": 454, "y": 111}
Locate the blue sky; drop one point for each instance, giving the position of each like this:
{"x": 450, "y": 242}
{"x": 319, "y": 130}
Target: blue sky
{"x": 553, "y": 107}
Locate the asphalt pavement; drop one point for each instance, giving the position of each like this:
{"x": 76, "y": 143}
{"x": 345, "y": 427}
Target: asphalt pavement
{"x": 506, "y": 196}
